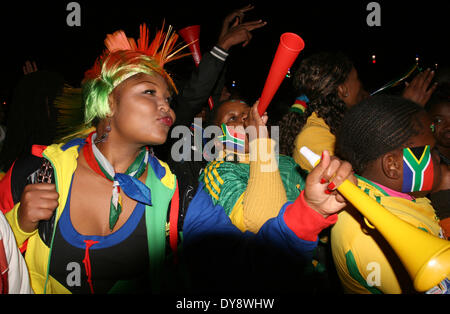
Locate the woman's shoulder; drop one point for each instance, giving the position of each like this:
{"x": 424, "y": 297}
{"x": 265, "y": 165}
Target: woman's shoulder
{"x": 316, "y": 138}
{"x": 162, "y": 171}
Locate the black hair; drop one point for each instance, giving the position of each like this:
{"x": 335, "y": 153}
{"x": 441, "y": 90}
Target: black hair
{"x": 211, "y": 115}
{"x": 318, "y": 78}
{"x": 31, "y": 118}
{"x": 375, "y": 126}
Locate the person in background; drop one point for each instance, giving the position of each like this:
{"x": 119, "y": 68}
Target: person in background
{"x": 31, "y": 115}
{"x": 329, "y": 85}
{"x": 389, "y": 142}
{"x": 14, "y": 277}
{"x": 438, "y": 108}
{"x": 192, "y": 101}
{"x": 249, "y": 179}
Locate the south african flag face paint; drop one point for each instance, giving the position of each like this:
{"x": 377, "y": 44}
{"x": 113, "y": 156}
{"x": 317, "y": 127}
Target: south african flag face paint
{"x": 233, "y": 138}
{"x": 418, "y": 171}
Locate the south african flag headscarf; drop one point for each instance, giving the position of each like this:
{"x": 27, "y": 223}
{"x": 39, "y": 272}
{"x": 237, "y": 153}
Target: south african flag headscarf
{"x": 418, "y": 172}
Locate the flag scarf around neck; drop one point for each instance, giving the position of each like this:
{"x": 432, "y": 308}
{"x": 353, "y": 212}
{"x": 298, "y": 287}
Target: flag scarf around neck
{"x": 232, "y": 138}
{"x": 127, "y": 182}
{"x": 418, "y": 172}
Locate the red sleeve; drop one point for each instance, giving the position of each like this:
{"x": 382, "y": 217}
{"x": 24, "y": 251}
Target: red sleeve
{"x": 6, "y": 199}
{"x": 304, "y": 221}
{"x": 445, "y": 225}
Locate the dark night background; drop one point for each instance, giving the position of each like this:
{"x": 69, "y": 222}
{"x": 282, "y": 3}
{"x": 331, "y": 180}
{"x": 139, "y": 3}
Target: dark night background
{"x": 38, "y": 31}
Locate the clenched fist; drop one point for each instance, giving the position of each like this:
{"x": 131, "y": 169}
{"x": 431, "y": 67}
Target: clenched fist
{"x": 38, "y": 202}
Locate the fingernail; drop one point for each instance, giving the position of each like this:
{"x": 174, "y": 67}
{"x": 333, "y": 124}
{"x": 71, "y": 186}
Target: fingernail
{"x": 328, "y": 192}
{"x": 331, "y": 186}
{"x": 323, "y": 181}
{"x": 321, "y": 158}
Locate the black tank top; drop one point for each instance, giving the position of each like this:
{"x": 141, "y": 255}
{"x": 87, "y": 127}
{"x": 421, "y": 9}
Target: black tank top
{"x": 101, "y": 264}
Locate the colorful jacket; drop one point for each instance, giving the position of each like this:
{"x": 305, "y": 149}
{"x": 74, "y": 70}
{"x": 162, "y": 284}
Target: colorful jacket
{"x": 226, "y": 182}
{"x": 315, "y": 135}
{"x": 63, "y": 158}
{"x": 277, "y": 259}
{"x": 214, "y": 249}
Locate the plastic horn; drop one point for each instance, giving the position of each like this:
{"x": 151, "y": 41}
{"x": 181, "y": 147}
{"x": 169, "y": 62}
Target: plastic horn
{"x": 288, "y": 49}
{"x": 191, "y": 35}
{"x": 425, "y": 257}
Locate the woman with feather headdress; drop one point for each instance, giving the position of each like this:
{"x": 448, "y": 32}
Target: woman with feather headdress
{"x": 101, "y": 213}
{"x": 83, "y": 225}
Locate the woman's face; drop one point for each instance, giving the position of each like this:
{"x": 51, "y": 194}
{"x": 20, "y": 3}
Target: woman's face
{"x": 440, "y": 115}
{"x": 354, "y": 91}
{"x": 140, "y": 110}
{"x": 234, "y": 113}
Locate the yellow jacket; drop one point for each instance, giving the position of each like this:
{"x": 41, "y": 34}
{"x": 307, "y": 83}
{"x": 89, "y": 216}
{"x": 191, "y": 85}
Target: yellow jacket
{"x": 364, "y": 261}
{"x": 63, "y": 158}
{"x": 317, "y": 137}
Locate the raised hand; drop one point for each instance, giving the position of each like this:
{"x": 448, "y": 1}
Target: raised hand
{"x": 38, "y": 202}
{"x": 237, "y": 17}
{"x": 257, "y": 121}
{"x": 419, "y": 90}
{"x": 237, "y": 32}
{"x": 321, "y": 184}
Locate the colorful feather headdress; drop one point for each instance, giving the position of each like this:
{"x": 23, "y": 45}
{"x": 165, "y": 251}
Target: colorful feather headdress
{"x": 73, "y": 104}
{"x": 162, "y": 49}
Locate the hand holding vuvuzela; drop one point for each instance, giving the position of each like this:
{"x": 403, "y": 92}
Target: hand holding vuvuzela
{"x": 425, "y": 257}
{"x": 288, "y": 49}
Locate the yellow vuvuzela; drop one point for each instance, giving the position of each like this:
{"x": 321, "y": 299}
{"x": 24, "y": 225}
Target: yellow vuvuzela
{"x": 425, "y": 257}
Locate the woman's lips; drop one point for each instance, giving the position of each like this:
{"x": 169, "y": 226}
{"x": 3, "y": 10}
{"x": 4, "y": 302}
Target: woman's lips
{"x": 167, "y": 121}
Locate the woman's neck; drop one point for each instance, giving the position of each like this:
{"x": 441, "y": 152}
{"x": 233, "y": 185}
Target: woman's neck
{"x": 377, "y": 175}
{"x": 120, "y": 155}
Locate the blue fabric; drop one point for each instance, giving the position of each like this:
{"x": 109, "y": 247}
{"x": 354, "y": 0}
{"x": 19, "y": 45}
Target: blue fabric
{"x": 134, "y": 188}
{"x": 159, "y": 170}
{"x": 77, "y": 240}
{"x": 203, "y": 219}
{"x": 303, "y": 98}
{"x": 74, "y": 142}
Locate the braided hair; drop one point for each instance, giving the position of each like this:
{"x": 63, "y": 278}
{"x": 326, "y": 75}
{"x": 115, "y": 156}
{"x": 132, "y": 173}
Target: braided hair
{"x": 211, "y": 115}
{"x": 375, "y": 126}
{"x": 318, "y": 78}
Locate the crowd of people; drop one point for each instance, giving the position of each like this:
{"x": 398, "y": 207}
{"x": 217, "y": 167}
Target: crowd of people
{"x": 94, "y": 199}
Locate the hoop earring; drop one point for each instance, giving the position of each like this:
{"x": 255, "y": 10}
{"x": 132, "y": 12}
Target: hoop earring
{"x": 104, "y": 136}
